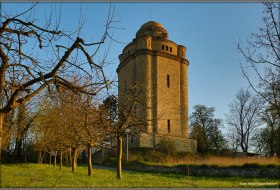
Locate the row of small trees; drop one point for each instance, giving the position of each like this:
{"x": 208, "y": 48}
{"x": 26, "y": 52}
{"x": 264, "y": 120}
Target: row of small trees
{"x": 67, "y": 123}
{"x": 40, "y": 58}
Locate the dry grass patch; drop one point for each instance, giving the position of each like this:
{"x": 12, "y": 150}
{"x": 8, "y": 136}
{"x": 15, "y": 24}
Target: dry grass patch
{"x": 154, "y": 157}
{"x": 223, "y": 161}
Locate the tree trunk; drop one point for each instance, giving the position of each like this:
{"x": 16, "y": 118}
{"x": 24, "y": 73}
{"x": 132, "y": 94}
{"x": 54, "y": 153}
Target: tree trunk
{"x": 42, "y": 157}
{"x": 242, "y": 144}
{"x": 67, "y": 159}
{"x": 278, "y": 141}
{"x": 50, "y": 158}
{"x": 102, "y": 155}
{"x": 54, "y": 160}
{"x": 70, "y": 156}
{"x": 119, "y": 168}
{"x": 1, "y": 127}
{"x": 271, "y": 140}
{"x": 60, "y": 160}
{"x": 74, "y": 160}
{"x": 39, "y": 157}
{"x": 84, "y": 158}
{"x": 89, "y": 161}
{"x": 16, "y": 156}
{"x": 18, "y": 151}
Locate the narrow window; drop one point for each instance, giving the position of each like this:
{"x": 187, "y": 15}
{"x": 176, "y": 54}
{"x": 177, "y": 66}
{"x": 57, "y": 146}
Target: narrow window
{"x": 168, "y": 81}
{"x": 170, "y": 49}
{"x": 166, "y": 48}
{"x": 168, "y": 125}
{"x": 162, "y": 47}
{"x": 125, "y": 86}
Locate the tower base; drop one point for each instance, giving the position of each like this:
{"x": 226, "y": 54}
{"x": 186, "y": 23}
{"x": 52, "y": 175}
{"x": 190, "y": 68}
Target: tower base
{"x": 146, "y": 140}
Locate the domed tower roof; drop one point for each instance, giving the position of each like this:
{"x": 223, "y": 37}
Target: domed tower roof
{"x": 153, "y": 29}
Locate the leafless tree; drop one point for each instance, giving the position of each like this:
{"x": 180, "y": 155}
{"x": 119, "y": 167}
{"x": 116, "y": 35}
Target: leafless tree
{"x": 24, "y": 73}
{"x": 232, "y": 140}
{"x": 90, "y": 129}
{"x": 70, "y": 112}
{"x": 262, "y": 56}
{"x": 128, "y": 116}
{"x": 48, "y": 129}
{"x": 244, "y": 117}
{"x": 70, "y": 121}
{"x": 42, "y": 127}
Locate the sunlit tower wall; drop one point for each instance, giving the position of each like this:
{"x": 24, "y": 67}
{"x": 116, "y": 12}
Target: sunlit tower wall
{"x": 160, "y": 65}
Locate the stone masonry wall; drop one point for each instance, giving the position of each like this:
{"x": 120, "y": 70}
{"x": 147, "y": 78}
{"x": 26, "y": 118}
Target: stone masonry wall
{"x": 263, "y": 172}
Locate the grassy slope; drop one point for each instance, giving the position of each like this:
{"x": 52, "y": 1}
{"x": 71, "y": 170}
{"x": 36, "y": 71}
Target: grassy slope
{"x": 35, "y": 175}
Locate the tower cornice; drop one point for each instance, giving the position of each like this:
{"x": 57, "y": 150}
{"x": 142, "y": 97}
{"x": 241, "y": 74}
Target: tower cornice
{"x": 153, "y": 53}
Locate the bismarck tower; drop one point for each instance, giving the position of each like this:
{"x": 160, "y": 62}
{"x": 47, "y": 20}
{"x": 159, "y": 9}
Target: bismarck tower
{"x": 161, "y": 66}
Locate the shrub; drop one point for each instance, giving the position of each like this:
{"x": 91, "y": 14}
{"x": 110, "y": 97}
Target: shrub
{"x": 167, "y": 146}
{"x": 155, "y": 156}
{"x": 252, "y": 165}
{"x": 110, "y": 162}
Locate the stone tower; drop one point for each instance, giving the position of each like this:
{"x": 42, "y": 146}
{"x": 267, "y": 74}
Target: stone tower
{"x": 161, "y": 66}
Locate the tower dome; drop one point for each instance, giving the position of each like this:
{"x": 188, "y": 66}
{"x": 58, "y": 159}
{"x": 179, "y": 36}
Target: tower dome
{"x": 153, "y": 29}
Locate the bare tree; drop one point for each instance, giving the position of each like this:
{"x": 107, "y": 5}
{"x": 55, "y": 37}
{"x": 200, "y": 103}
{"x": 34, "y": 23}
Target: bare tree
{"x": 24, "y": 73}
{"x": 49, "y": 129}
{"x": 43, "y": 127}
{"x": 128, "y": 116}
{"x": 53, "y": 131}
{"x": 262, "y": 56}
{"x": 90, "y": 130}
{"x": 244, "y": 117}
{"x": 72, "y": 119}
{"x": 232, "y": 140}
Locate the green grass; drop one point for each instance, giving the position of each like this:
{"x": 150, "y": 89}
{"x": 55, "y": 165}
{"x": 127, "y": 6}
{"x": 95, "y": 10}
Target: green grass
{"x": 42, "y": 175}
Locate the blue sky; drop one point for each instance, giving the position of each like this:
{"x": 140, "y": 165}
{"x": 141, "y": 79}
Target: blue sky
{"x": 210, "y": 31}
